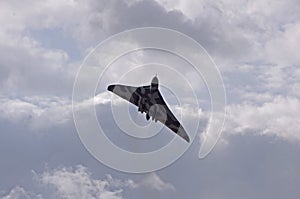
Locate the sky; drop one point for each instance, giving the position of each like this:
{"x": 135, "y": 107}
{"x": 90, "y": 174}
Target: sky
{"x": 253, "y": 43}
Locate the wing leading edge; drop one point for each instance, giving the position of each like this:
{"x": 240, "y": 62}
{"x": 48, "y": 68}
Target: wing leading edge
{"x": 169, "y": 119}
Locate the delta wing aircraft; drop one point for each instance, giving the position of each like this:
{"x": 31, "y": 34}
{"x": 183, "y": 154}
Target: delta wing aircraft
{"x": 148, "y": 99}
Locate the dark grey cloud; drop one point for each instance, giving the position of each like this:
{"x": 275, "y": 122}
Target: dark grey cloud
{"x": 213, "y": 31}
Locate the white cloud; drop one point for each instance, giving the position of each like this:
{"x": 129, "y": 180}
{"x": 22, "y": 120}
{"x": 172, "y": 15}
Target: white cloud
{"x": 279, "y": 117}
{"x": 295, "y": 88}
{"x": 264, "y": 12}
{"x": 83, "y": 21}
{"x": 282, "y": 49}
{"x": 36, "y": 112}
{"x": 78, "y": 183}
{"x": 274, "y": 76}
{"x": 28, "y": 67}
{"x": 245, "y": 31}
{"x": 153, "y": 181}
{"x": 190, "y": 8}
{"x": 256, "y": 97}
{"x": 42, "y": 112}
{"x": 20, "y": 193}
{"x": 235, "y": 31}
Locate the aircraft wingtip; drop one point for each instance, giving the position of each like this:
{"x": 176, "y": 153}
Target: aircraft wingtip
{"x": 181, "y": 132}
{"x": 187, "y": 139}
{"x": 110, "y": 88}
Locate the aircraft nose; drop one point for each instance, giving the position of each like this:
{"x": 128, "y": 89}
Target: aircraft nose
{"x": 155, "y": 80}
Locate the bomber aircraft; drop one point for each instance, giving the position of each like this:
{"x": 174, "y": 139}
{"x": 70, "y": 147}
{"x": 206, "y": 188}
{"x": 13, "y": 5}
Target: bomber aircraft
{"x": 148, "y": 99}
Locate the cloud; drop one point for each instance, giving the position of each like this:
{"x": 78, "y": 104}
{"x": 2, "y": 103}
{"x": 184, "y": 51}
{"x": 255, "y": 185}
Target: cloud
{"x": 20, "y": 193}
{"x": 277, "y": 118}
{"x": 282, "y": 48}
{"x": 232, "y": 32}
{"x": 71, "y": 183}
{"x": 153, "y": 181}
{"x": 41, "y": 112}
{"x": 28, "y": 68}
{"x": 250, "y": 31}
{"x": 78, "y": 182}
{"x": 36, "y": 112}
{"x": 28, "y": 65}
{"x": 253, "y": 42}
